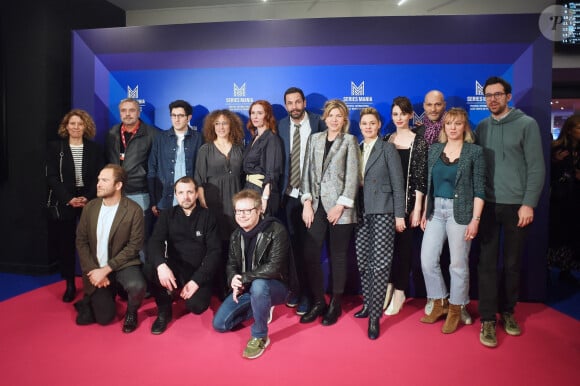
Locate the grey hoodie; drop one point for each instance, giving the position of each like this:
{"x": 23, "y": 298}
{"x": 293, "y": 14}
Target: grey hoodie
{"x": 515, "y": 169}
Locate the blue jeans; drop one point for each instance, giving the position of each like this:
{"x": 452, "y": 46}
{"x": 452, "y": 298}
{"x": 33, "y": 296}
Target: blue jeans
{"x": 142, "y": 199}
{"x": 256, "y": 302}
{"x": 442, "y": 225}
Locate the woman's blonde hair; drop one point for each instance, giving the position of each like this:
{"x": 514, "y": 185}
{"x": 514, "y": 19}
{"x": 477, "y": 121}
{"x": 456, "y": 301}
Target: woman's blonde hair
{"x": 341, "y": 106}
{"x": 452, "y": 115}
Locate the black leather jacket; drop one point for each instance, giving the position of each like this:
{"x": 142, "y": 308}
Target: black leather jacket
{"x": 270, "y": 260}
{"x": 136, "y": 155}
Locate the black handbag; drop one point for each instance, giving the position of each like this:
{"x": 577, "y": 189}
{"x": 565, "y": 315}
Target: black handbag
{"x": 53, "y": 209}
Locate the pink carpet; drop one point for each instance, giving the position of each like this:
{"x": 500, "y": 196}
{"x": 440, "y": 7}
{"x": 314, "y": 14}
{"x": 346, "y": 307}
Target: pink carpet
{"x": 41, "y": 345}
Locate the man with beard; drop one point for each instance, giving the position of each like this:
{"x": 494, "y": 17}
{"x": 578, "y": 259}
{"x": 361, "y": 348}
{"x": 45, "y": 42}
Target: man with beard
{"x": 294, "y": 131}
{"x": 515, "y": 173}
{"x": 184, "y": 253}
{"x": 109, "y": 236}
{"x": 434, "y": 106}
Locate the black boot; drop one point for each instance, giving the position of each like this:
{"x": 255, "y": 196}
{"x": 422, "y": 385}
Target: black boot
{"x": 160, "y": 324}
{"x": 374, "y": 328}
{"x": 318, "y": 309}
{"x": 334, "y": 311}
{"x": 70, "y": 292}
{"x": 363, "y": 312}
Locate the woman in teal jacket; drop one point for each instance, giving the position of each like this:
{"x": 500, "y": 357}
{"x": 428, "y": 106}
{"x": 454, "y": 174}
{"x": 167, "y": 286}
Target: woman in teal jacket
{"x": 455, "y": 198}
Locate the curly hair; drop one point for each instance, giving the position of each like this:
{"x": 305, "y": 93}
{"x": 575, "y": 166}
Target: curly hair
{"x": 236, "y": 135}
{"x": 269, "y": 118}
{"x": 90, "y": 129}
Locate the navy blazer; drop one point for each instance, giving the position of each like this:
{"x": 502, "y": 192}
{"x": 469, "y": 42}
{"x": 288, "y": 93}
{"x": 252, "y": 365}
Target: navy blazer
{"x": 469, "y": 181}
{"x": 383, "y": 181}
{"x": 316, "y": 125}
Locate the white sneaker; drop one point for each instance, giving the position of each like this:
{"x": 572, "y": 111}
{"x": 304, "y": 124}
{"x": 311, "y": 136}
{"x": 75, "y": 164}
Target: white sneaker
{"x": 429, "y": 307}
{"x": 271, "y": 314}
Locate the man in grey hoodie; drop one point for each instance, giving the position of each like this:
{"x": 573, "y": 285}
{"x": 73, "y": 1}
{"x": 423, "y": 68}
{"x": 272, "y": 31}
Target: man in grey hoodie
{"x": 515, "y": 175}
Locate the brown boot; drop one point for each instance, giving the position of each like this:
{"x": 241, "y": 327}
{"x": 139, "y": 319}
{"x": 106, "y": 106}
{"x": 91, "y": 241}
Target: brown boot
{"x": 453, "y": 319}
{"x": 440, "y": 308}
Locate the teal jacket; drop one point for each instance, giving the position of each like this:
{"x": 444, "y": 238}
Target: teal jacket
{"x": 515, "y": 169}
{"x": 469, "y": 181}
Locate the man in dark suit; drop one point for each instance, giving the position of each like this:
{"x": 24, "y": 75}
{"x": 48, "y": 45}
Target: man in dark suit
{"x": 109, "y": 236}
{"x": 296, "y": 128}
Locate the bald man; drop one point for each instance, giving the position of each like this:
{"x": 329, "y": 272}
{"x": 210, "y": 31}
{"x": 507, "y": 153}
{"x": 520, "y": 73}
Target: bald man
{"x": 434, "y": 106}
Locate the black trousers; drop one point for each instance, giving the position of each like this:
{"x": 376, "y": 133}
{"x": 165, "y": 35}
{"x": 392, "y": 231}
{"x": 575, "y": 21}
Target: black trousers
{"x": 196, "y": 304}
{"x": 402, "y": 257}
{"x": 102, "y": 300}
{"x": 61, "y": 241}
{"x": 338, "y": 237}
{"x": 495, "y": 219}
{"x": 292, "y": 217}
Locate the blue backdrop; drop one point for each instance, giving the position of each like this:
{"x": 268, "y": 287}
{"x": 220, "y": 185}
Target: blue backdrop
{"x": 363, "y": 61}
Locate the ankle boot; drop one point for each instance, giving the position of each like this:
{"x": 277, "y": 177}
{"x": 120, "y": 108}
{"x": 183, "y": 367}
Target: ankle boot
{"x": 70, "y": 292}
{"x": 374, "y": 328}
{"x": 333, "y": 312}
{"x": 318, "y": 309}
{"x": 453, "y": 318}
{"x": 363, "y": 312}
{"x": 440, "y": 308}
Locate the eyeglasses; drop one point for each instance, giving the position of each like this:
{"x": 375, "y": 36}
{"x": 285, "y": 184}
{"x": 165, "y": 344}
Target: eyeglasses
{"x": 245, "y": 212}
{"x": 177, "y": 116}
{"x": 495, "y": 95}
{"x": 223, "y": 123}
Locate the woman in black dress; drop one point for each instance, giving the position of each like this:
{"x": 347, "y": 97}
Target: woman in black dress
{"x": 218, "y": 168}
{"x": 264, "y": 158}
{"x": 72, "y": 166}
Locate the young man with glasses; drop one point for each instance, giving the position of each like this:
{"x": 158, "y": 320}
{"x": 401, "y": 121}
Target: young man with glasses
{"x": 515, "y": 175}
{"x": 172, "y": 156}
{"x": 258, "y": 271}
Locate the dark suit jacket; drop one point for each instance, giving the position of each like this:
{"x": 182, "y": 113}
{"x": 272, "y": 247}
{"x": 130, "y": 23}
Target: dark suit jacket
{"x": 384, "y": 184}
{"x": 92, "y": 163}
{"x": 316, "y": 125}
{"x": 469, "y": 181}
{"x": 125, "y": 238}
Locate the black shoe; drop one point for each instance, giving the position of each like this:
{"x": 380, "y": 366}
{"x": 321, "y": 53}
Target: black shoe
{"x": 333, "y": 312}
{"x": 70, "y": 292}
{"x": 374, "y": 328}
{"x": 318, "y": 309}
{"x": 362, "y": 313}
{"x": 130, "y": 323}
{"x": 85, "y": 314}
{"x": 160, "y": 324}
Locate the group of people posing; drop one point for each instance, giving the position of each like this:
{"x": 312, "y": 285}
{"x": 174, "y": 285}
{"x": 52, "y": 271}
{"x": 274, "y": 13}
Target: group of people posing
{"x": 182, "y": 216}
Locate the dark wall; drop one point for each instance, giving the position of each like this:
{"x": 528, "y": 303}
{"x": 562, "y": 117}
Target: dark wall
{"x": 35, "y": 92}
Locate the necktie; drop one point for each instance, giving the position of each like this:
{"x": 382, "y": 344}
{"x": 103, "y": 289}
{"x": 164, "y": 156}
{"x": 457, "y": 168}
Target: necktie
{"x": 295, "y": 158}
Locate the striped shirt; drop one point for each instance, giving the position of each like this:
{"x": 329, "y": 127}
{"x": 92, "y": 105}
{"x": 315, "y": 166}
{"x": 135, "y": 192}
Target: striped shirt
{"x": 77, "y": 154}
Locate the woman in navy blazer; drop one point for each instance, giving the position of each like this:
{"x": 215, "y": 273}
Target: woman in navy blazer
{"x": 455, "y": 198}
{"x": 382, "y": 208}
{"x": 329, "y": 185}
{"x": 72, "y": 166}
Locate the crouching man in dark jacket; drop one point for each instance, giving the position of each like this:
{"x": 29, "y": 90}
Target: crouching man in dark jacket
{"x": 257, "y": 270}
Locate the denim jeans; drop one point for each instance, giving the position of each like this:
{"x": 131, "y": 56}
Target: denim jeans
{"x": 442, "y": 225}
{"x": 142, "y": 199}
{"x": 256, "y": 302}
